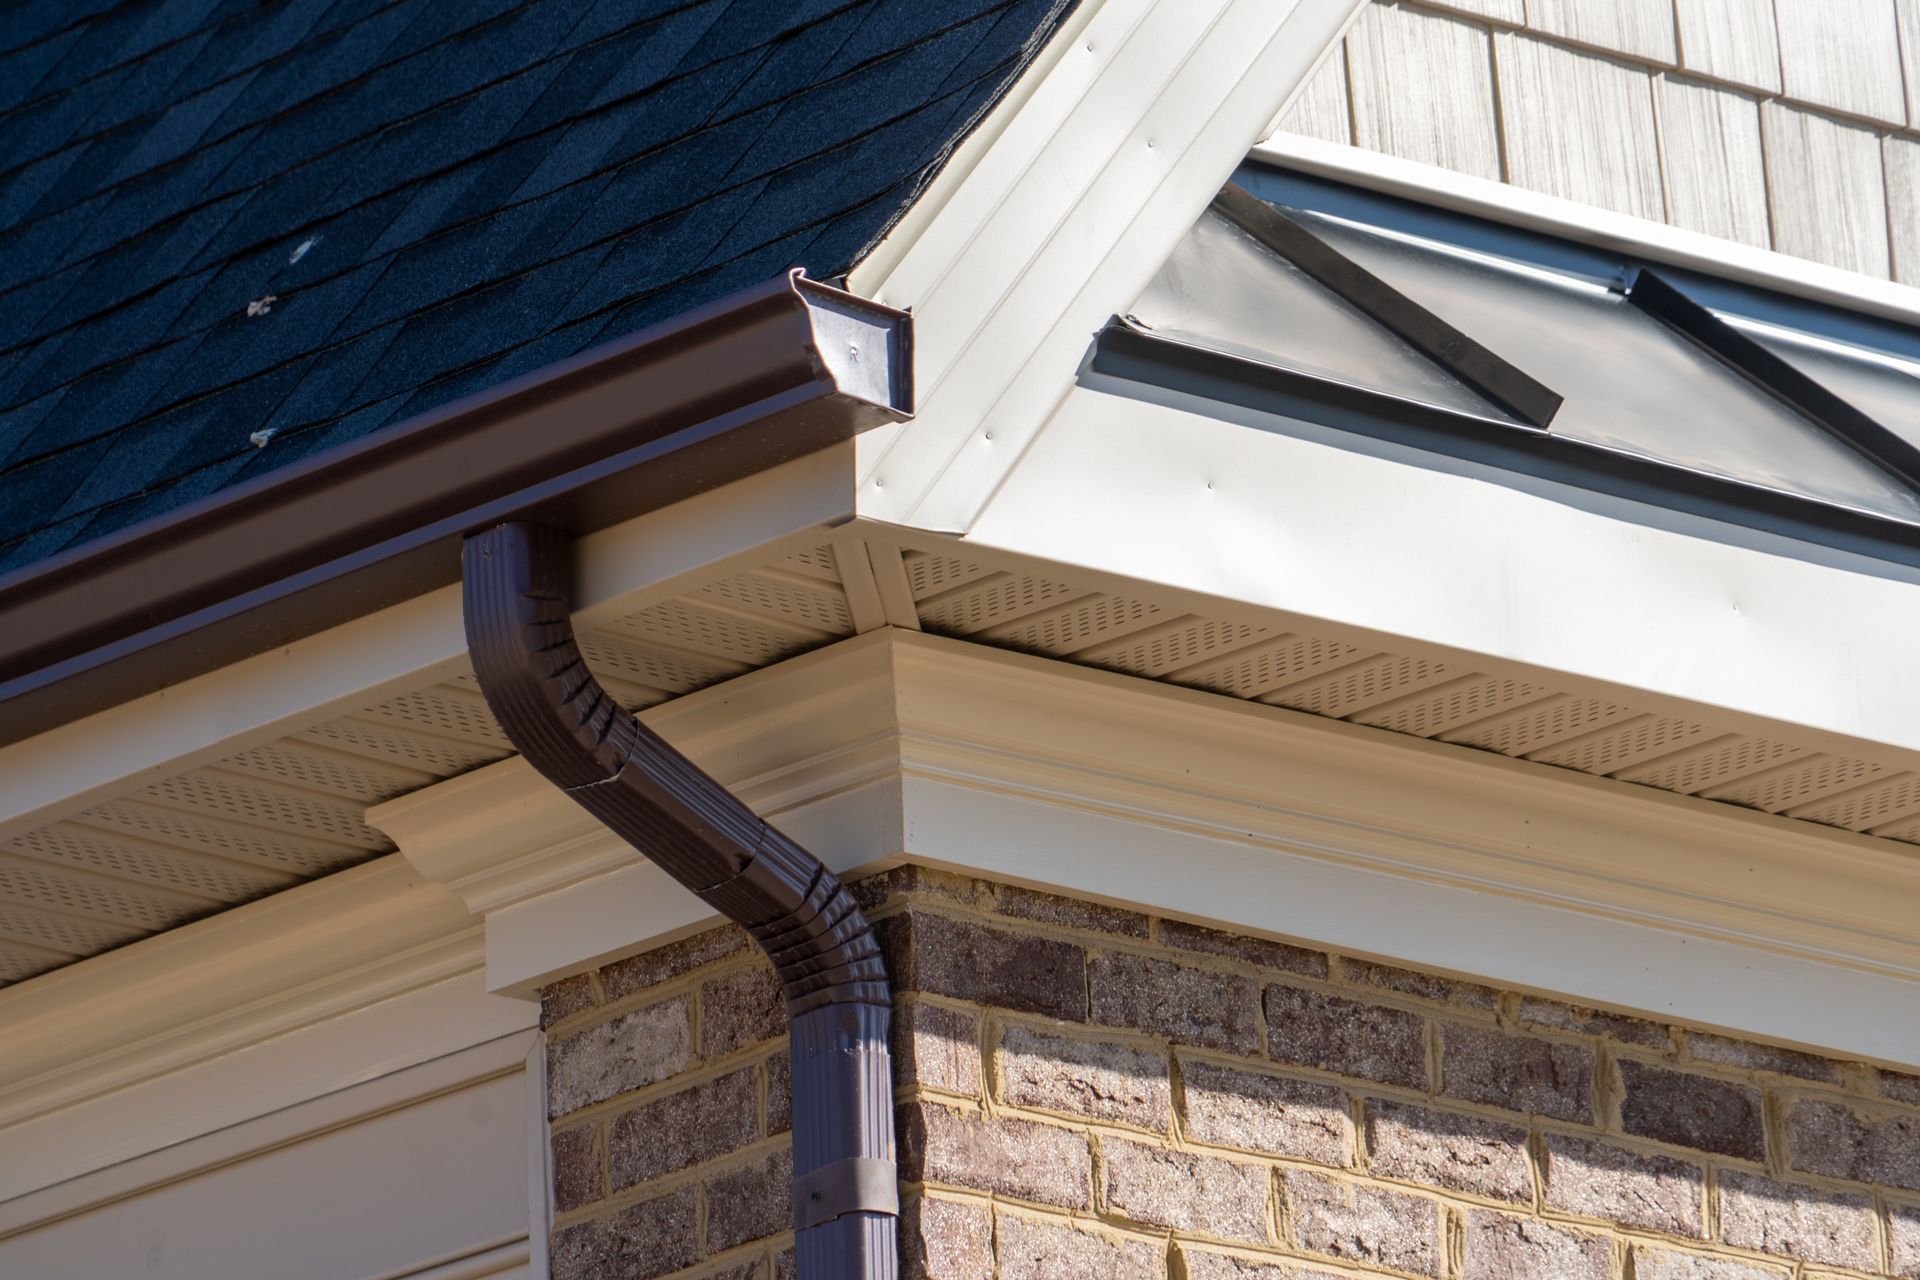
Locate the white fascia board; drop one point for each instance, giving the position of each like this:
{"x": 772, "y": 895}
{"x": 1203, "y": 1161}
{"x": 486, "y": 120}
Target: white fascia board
{"x": 412, "y": 644}
{"x": 1276, "y": 521}
{"x": 1589, "y": 224}
{"x": 1252, "y": 818}
{"x": 1085, "y": 180}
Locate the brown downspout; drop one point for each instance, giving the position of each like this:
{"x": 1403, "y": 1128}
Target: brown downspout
{"x": 519, "y": 630}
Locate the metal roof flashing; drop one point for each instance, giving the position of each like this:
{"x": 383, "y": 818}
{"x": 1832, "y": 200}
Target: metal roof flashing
{"x": 718, "y": 393}
{"x": 1551, "y": 358}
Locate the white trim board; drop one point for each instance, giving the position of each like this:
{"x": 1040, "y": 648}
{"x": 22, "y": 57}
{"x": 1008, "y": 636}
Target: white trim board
{"x": 410, "y": 645}
{"x": 425, "y": 1167}
{"x": 1259, "y": 819}
{"x": 323, "y": 986}
{"x": 1092, "y": 171}
{"x": 507, "y": 1055}
{"x": 1589, "y": 224}
{"x": 1596, "y": 594}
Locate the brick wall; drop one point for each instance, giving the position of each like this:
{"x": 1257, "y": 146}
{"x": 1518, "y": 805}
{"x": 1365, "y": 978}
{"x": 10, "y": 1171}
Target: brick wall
{"x": 1786, "y": 124}
{"x": 1091, "y": 1092}
{"x": 667, "y": 1090}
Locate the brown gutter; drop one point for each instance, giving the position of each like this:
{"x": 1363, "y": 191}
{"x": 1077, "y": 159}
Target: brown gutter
{"x": 706, "y": 398}
{"x": 845, "y": 1193}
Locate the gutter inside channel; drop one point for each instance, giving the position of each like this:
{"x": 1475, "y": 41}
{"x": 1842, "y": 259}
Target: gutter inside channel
{"x": 519, "y": 630}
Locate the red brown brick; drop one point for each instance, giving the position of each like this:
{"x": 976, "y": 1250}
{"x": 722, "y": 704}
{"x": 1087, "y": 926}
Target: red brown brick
{"x": 1188, "y": 1006}
{"x": 1066, "y": 913}
{"x": 685, "y": 1128}
{"x": 945, "y": 1240}
{"x": 1594, "y": 1022}
{"x": 576, "y": 1168}
{"x": 896, "y": 883}
{"x": 1185, "y": 1190}
{"x": 634, "y": 1050}
{"x": 1499, "y": 1246}
{"x": 1005, "y": 1156}
{"x": 937, "y": 1047}
{"x": 1347, "y": 1037}
{"x": 1426, "y": 986}
{"x": 1814, "y": 1224}
{"x": 1363, "y": 1224}
{"x": 1599, "y": 1180}
{"x": 563, "y": 999}
{"x": 649, "y": 1239}
{"x": 1203, "y": 1264}
{"x": 1903, "y": 1238}
{"x": 1900, "y": 1087}
{"x": 750, "y": 1203}
{"x": 1119, "y": 1083}
{"x": 1830, "y": 1137}
{"x": 741, "y": 1008}
{"x": 1752, "y": 1056}
{"x": 1448, "y": 1151}
{"x": 663, "y": 964}
{"x": 1543, "y": 1077}
{"x": 1226, "y": 1107}
{"x": 1690, "y": 1110}
{"x": 1259, "y": 951}
{"x": 778, "y": 1068}
{"x": 1028, "y": 1249}
{"x": 940, "y": 956}
{"x": 1650, "y": 1263}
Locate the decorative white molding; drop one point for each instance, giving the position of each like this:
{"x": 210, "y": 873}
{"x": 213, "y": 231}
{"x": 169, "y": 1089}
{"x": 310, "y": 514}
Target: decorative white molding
{"x": 270, "y": 1004}
{"x": 1588, "y": 224}
{"x": 896, "y": 744}
{"x": 1078, "y": 190}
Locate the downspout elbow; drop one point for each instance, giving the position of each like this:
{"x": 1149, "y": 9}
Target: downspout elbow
{"x": 534, "y": 677}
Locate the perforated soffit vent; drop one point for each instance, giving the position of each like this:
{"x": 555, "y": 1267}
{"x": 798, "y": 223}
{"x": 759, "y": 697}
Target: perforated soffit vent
{"x": 291, "y": 810}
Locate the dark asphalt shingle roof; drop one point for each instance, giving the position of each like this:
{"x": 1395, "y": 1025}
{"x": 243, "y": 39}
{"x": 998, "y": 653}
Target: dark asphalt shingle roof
{"x": 435, "y": 196}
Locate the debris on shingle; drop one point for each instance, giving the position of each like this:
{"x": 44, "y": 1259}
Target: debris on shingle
{"x": 496, "y": 189}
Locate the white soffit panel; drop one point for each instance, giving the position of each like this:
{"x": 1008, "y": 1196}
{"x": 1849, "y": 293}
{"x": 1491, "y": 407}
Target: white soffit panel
{"x": 1706, "y": 631}
{"x": 291, "y": 809}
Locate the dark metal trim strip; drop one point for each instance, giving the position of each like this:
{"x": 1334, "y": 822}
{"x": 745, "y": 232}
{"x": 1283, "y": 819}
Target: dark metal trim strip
{"x": 1126, "y": 336}
{"x": 1665, "y": 302}
{"x": 1503, "y": 384}
{"x": 722, "y": 392}
{"x": 1135, "y": 355}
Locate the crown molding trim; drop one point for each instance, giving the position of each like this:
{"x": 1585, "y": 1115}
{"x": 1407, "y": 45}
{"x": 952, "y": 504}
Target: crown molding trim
{"x": 897, "y": 745}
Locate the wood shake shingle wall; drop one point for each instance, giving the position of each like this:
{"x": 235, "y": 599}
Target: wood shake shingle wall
{"x": 1088, "y": 1090}
{"x": 1786, "y": 124}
